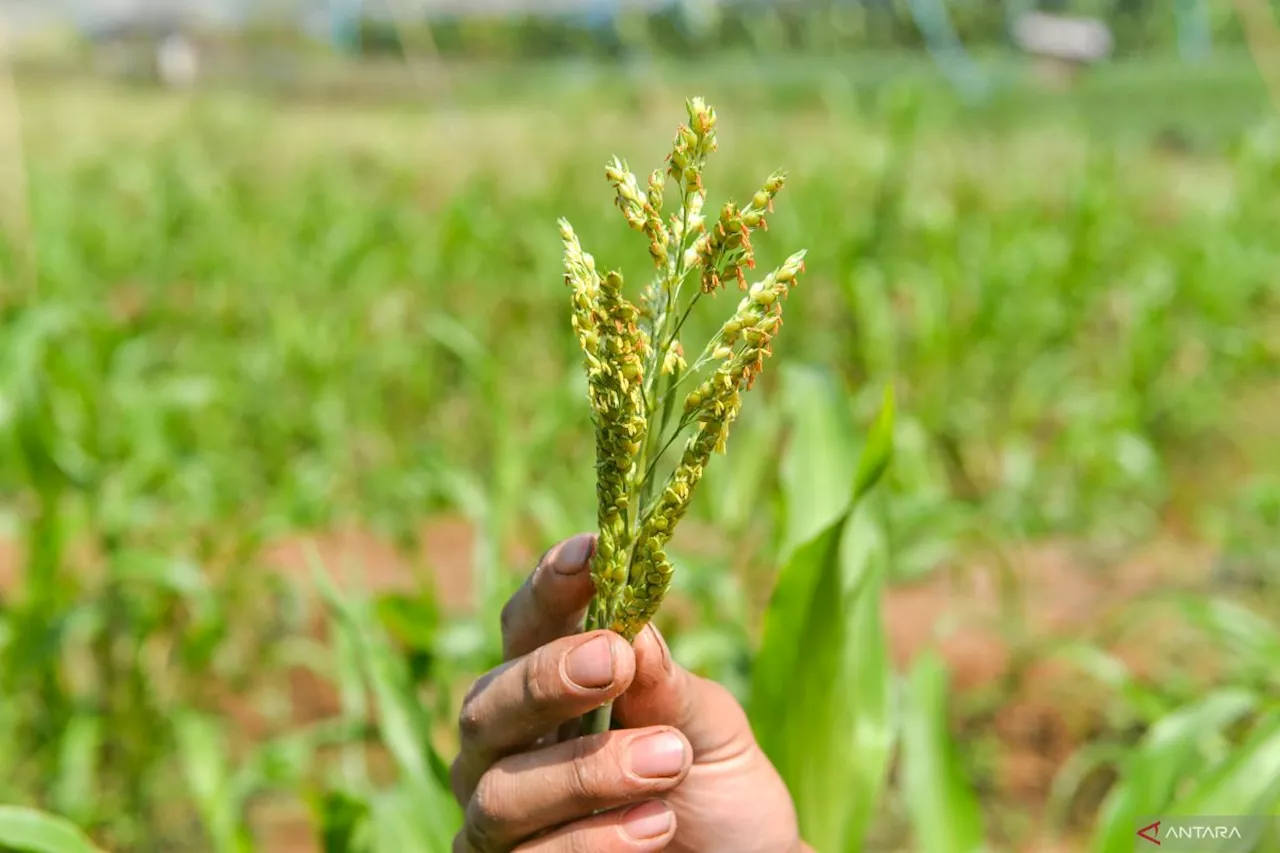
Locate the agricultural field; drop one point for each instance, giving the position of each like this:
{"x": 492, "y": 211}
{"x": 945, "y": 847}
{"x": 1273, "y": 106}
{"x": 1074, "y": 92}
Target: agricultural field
{"x": 290, "y": 404}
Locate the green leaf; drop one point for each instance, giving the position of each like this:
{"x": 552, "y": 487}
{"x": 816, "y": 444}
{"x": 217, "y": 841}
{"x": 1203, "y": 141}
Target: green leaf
{"x": 1170, "y": 753}
{"x": 341, "y": 818}
{"x": 797, "y": 692}
{"x": 944, "y": 810}
{"x": 820, "y": 699}
{"x": 73, "y": 788}
{"x": 818, "y": 465}
{"x": 864, "y": 555}
{"x": 1144, "y": 702}
{"x": 877, "y": 453}
{"x": 401, "y": 823}
{"x": 203, "y": 754}
{"x": 1074, "y": 771}
{"x": 413, "y": 620}
{"x": 30, "y": 831}
{"x": 736, "y": 485}
{"x": 1251, "y": 639}
{"x": 1247, "y": 782}
{"x": 403, "y": 722}
{"x": 286, "y": 761}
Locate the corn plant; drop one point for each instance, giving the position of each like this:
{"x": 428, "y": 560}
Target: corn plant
{"x": 821, "y": 686}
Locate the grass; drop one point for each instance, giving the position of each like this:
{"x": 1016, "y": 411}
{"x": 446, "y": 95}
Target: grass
{"x": 235, "y": 320}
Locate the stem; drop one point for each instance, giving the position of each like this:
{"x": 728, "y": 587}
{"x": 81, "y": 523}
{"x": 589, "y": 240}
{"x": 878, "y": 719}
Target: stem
{"x": 665, "y": 329}
{"x": 662, "y": 333}
{"x": 667, "y": 401}
{"x": 687, "y": 312}
{"x": 598, "y": 721}
{"x": 645, "y": 509}
{"x": 648, "y": 460}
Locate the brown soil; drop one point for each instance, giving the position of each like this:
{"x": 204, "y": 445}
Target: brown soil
{"x": 10, "y": 565}
{"x": 357, "y": 559}
{"x": 1060, "y": 594}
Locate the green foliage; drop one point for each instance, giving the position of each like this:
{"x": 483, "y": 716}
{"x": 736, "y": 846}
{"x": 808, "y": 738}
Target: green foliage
{"x": 944, "y": 809}
{"x": 261, "y": 321}
{"x": 821, "y": 685}
{"x": 27, "y": 831}
{"x": 419, "y": 813}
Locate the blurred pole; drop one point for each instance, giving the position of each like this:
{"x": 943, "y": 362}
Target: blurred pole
{"x": 604, "y": 13}
{"x": 604, "y": 20}
{"x": 345, "y": 17}
{"x": 1195, "y": 31}
{"x": 1015, "y": 9}
{"x": 947, "y": 50}
{"x": 15, "y": 211}
{"x": 698, "y": 17}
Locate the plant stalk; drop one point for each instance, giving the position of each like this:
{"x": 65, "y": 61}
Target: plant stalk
{"x": 598, "y": 721}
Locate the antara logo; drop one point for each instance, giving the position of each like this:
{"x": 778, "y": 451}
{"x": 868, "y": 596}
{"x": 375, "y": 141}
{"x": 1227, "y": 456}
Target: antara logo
{"x": 1151, "y": 833}
{"x": 1202, "y": 832}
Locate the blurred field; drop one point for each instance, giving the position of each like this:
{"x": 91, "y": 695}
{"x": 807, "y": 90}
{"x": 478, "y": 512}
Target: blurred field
{"x": 235, "y": 327}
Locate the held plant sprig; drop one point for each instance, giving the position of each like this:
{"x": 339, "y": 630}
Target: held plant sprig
{"x": 636, "y": 365}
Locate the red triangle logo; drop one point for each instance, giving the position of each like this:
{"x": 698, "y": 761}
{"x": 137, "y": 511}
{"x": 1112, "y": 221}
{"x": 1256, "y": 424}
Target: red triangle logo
{"x": 1154, "y": 829}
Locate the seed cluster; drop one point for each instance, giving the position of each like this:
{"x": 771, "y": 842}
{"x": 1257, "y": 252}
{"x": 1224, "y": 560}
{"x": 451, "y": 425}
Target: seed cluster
{"x": 725, "y": 252}
{"x": 642, "y": 210}
{"x": 627, "y": 348}
{"x": 607, "y": 330}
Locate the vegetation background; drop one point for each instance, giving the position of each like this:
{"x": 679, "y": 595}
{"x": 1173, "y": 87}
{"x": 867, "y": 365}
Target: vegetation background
{"x": 289, "y": 404}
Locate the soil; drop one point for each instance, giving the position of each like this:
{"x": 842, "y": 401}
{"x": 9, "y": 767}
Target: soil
{"x": 1062, "y": 593}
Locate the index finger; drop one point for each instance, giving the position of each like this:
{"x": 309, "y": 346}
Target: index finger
{"x": 553, "y": 600}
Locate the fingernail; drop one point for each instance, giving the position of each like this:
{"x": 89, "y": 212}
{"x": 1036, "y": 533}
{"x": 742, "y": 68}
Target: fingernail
{"x": 656, "y": 756}
{"x": 647, "y": 821}
{"x": 574, "y": 555}
{"x": 667, "y": 664}
{"x": 591, "y": 664}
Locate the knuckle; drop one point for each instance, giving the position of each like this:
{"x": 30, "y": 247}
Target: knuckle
{"x": 470, "y": 720}
{"x": 591, "y": 774}
{"x": 476, "y": 837}
{"x": 542, "y": 684}
{"x": 487, "y": 813}
{"x": 507, "y": 618}
{"x": 457, "y": 780}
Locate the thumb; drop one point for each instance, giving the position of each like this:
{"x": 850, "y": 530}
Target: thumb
{"x": 665, "y": 694}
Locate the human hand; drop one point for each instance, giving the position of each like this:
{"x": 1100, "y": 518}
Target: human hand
{"x": 685, "y": 774}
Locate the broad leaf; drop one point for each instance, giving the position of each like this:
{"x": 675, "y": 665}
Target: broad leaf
{"x": 819, "y": 463}
{"x": 820, "y": 683}
{"x": 944, "y": 810}
{"x": 1170, "y": 753}
{"x": 29, "y": 831}
{"x": 1247, "y": 782}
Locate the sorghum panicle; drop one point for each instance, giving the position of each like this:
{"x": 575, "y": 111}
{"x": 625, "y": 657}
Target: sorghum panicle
{"x": 625, "y": 345}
